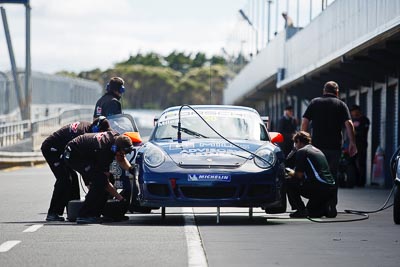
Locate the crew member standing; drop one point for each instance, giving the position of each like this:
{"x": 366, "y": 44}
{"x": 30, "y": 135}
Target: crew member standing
{"x": 66, "y": 186}
{"x": 311, "y": 179}
{"x": 328, "y": 115}
{"x": 287, "y": 127}
{"x": 361, "y": 126}
{"x": 91, "y": 155}
{"x": 109, "y": 104}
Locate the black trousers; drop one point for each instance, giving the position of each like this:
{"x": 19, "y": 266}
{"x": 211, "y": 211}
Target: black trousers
{"x": 66, "y": 187}
{"x": 97, "y": 201}
{"x": 333, "y": 158}
{"x": 97, "y": 196}
{"x": 318, "y": 195}
{"x": 361, "y": 164}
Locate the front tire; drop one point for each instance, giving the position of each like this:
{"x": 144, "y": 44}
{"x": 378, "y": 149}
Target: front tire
{"x": 396, "y": 205}
{"x": 282, "y": 207}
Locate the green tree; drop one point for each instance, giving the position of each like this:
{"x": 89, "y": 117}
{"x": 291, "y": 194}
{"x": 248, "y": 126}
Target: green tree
{"x": 203, "y": 85}
{"x": 217, "y": 60}
{"x": 150, "y": 59}
{"x": 152, "y": 84}
{"x": 179, "y": 61}
{"x": 199, "y": 60}
{"x": 146, "y": 86}
{"x": 67, "y": 74}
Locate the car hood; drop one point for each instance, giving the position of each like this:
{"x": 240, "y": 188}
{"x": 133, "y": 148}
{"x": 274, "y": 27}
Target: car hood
{"x": 210, "y": 152}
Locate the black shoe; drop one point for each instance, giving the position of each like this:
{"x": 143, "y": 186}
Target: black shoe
{"x": 115, "y": 219}
{"x": 330, "y": 209}
{"x": 299, "y": 214}
{"x": 88, "y": 220}
{"x": 123, "y": 218}
{"x": 315, "y": 214}
{"x": 54, "y": 218}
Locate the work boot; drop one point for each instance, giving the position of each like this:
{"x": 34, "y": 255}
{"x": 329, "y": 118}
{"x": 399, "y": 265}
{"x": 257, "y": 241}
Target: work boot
{"x": 330, "y": 209}
{"x": 301, "y": 213}
{"x": 54, "y": 218}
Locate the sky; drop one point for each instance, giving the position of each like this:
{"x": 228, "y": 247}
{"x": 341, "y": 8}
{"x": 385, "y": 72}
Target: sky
{"x": 81, "y": 35}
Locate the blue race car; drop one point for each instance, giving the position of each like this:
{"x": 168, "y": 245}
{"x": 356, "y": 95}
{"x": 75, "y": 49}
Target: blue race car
{"x": 211, "y": 156}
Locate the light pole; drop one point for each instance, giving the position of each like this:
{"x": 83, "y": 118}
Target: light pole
{"x": 252, "y": 26}
{"x": 269, "y": 21}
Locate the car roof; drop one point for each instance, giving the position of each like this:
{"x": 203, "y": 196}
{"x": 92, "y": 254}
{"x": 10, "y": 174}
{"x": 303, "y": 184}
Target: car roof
{"x": 211, "y": 107}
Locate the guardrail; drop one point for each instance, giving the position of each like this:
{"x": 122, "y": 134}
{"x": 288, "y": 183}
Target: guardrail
{"x": 12, "y": 133}
{"x": 31, "y": 134}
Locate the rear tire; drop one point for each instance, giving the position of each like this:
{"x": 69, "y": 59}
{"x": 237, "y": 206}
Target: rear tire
{"x": 396, "y": 205}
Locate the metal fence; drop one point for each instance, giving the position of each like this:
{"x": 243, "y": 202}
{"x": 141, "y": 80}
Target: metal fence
{"x": 34, "y": 132}
{"x": 56, "y": 101}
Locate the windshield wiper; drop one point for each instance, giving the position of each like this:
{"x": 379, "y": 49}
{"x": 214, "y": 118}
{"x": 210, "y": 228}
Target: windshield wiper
{"x": 164, "y": 138}
{"x": 190, "y": 132}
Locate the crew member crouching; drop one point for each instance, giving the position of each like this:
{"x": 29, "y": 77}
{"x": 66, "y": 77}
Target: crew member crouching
{"x": 310, "y": 179}
{"x": 91, "y": 156}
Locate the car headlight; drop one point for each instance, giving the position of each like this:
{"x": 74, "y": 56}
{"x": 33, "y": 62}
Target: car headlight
{"x": 153, "y": 156}
{"x": 265, "y": 158}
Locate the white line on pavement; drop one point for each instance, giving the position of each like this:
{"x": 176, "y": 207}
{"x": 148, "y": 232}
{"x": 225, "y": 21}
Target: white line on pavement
{"x": 196, "y": 254}
{"x": 33, "y": 228}
{"x": 6, "y": 246}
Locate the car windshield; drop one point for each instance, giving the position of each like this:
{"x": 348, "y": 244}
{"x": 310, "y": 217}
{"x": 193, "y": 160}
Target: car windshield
{"x": 122, "y": 123}
{"x": 230, "y": 123}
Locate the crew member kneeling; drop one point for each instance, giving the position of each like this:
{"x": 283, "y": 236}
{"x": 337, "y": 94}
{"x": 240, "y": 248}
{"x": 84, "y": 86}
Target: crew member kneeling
{"x": 310, "y": 179}
{"x": 91, "y": 156}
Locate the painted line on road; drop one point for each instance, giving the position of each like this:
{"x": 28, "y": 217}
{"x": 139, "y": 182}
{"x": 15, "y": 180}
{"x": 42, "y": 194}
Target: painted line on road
{"x": 6, "y": 246}
{"x": 196, "y": 254}
{"x": 33, "y": 228}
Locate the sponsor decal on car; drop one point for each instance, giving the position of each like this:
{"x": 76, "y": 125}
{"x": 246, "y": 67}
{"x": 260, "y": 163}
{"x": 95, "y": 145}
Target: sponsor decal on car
{"x": 207, "y": 177}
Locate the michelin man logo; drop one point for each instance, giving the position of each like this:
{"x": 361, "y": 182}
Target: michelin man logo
{"x": 115, "y": 169}
{"x": 192, "y": 177}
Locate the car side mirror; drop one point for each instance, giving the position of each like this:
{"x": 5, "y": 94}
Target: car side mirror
{"x": 135, "y": 138}
{"x": 276, "y": 137}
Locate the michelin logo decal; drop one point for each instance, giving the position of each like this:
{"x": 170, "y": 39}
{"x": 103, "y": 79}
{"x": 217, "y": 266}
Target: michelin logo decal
{"x": 209, "y": 177}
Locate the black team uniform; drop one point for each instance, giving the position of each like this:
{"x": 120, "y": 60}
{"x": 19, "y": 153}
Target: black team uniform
{"x": 66, "y": 187}
{"x": 107, "y": 105}
{"x": 318, "y": 185}
{"x": 287, "y": 127}
{"x": 91, "y": 155}
{"x": 328, "y": 115}
{"x": 361, "y": 127}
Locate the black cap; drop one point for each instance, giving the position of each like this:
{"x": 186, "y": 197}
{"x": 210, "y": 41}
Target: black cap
{"x": 289, "y": 108}
{"x": 355, "y": 107}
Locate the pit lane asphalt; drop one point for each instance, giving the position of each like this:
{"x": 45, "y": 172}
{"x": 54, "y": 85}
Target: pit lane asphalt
{"x": 147, "y": 240}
